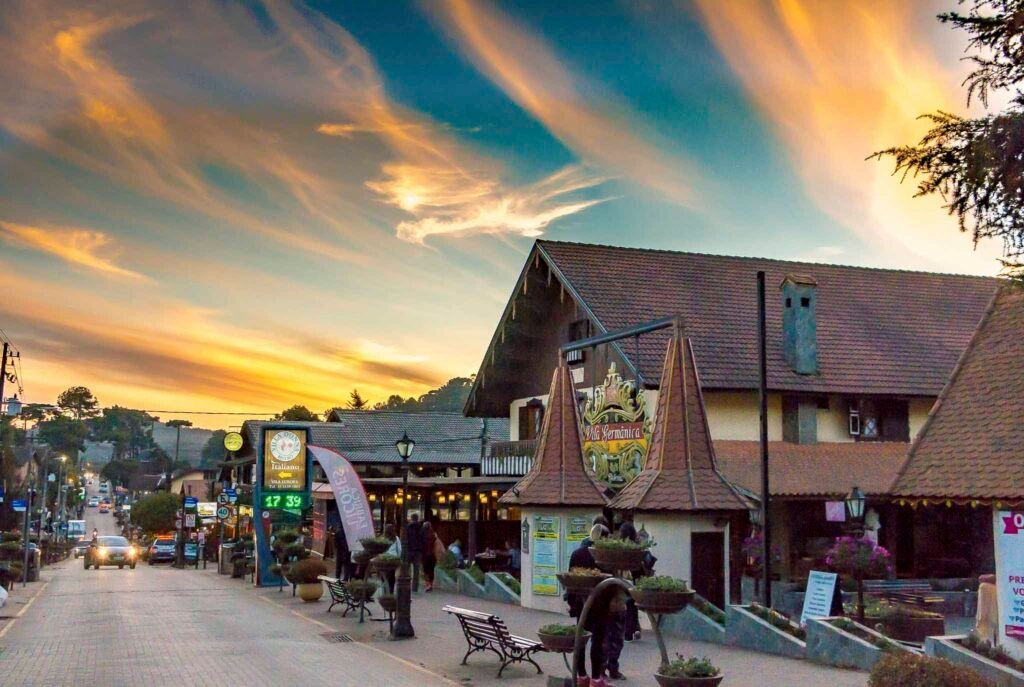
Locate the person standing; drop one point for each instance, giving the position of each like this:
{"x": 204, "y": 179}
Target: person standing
{"x": 390, "y": 533}
{"x": 342, "y": 554}
{"x": 414, "y": 537}
{"x": 431, "y": 545}
{"x": 597, "y": 619}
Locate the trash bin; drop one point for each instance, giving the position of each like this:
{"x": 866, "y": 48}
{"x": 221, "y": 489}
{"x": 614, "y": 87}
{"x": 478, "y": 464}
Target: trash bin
{"x": 224, "y": 560}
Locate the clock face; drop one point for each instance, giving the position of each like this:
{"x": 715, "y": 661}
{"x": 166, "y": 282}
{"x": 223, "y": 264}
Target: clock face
{"x": 285, "y": 446}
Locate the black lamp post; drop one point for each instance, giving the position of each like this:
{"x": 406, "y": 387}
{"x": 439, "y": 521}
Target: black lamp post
{"x": 403, "y": 583}
{"x": 855, "y": 502}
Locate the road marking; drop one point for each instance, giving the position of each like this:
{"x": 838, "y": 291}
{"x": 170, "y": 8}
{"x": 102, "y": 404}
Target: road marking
{"x": 408, "y": 664}
{"x": 8, "y": 626}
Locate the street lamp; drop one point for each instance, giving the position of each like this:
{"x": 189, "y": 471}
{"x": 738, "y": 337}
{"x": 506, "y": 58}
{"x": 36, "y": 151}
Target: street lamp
{"x": 855, "y": 501}
{"x": 60, "y": 495}
{"x": 403, "y": 592}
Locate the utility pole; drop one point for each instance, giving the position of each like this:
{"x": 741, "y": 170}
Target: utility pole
{"x": 762, "y": 358}
{"x": 3, "y": 374}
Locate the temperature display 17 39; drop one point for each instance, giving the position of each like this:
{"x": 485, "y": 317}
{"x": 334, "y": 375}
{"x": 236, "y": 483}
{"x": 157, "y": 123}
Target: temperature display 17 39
{"x": 288, "y": 501}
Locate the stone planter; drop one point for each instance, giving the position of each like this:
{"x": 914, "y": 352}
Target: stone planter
{"x": 376, "y": 549}
{"x": 614, "y": 560}
{"x": 468, "y": 586}
{"x": 949, "y": 648}
{"x": 668, "y": 681}
{"x": 909, "y": 629}
{"x": 662, "y": 602}
{"x": 310, "y": 591}
{"x": 561, "y": 643}
{"x": 444, "y": 581}
{"x": 361, "y": 592}
{"x": 832, "y": 646}
{"x": 497, "y": 590}
{"x": 744, "y": 629}
{"x": 385, "y": 566}
{"x": 694, "y": 625}
{"x": 388, "y": 602}
{"x": 581, "y": 583}
{"x": 363, "y": 557}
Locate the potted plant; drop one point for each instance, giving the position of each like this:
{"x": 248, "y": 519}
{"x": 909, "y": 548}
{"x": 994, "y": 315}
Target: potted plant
{"x": 688, "y": 672}
{"x": 582, "y": 579}
{"x": 861, "y": 559}
{"x": 386, "y": 562}
{"x": 362, "y": 558}
{"x": 361, "y": 590}
{"x": 618, "y": 554}
{"x": 306, "y": 576}
{"x": 559, "y": 638}
{"x": 388, "y": 602}
{"x": 662, "y": 594}
{"x": 375, "y": 545}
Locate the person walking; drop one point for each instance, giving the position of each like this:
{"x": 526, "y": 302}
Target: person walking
{"x": 414, "y": 537}
{"x": 390, "y": 533}
{"x": 597, "y": 619}
{"x": 432, "y": 544}
{"x": 342, "y": 554}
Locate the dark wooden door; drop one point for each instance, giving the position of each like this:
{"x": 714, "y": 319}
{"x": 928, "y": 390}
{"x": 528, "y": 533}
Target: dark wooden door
{"x": 707, "y": 553}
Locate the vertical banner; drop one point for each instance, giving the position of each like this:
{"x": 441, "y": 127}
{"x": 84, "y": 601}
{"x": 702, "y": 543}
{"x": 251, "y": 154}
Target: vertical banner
{"x": 546, "y": 531}
{"x": 1008, "y": 531}
{"x": 353, "y": 506}
{"x": 577, "y": 528}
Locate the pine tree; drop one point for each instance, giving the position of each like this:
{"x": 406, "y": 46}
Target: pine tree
{"x": 356, "y": 401}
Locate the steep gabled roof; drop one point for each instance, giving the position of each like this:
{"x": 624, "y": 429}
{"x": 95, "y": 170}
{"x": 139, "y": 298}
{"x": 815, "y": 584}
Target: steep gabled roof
{"x": 972, "y": 445}
{"x": 557, "y": 476}
{"x": 681, "y": 473}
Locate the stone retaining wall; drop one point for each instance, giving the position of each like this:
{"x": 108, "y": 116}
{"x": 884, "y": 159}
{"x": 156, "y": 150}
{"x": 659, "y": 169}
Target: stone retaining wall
{"x": 694, "y": 625}
{"x": 947, "y": 647}
{"x": 829, "y": 645}
{"x": 746, "y": 630}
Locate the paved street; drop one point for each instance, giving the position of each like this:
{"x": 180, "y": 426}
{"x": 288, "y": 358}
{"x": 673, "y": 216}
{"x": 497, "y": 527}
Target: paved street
{"x": 159, "y": 626}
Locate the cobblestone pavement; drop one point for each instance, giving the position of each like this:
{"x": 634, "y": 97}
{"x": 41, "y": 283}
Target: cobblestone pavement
{"x": 159, "y": 626}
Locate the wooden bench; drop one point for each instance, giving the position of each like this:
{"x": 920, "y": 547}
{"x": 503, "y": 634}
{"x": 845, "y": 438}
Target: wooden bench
{"x": 484, "y": 631}
{"x": 340, "y": 595}
{"x": 908, "y": 592}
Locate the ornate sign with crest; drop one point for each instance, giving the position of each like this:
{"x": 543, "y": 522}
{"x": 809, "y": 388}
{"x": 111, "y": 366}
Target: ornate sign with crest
{"x": 616, "y": 431}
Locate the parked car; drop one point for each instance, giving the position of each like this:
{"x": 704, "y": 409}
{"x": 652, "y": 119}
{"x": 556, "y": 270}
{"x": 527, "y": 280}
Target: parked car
{"x": 81, "y": 546}
{"x": 161, "y": 550}
{"x": 104, "y": 507}
{"x": 94, "y": 501}
{"x": 111, "y": 551}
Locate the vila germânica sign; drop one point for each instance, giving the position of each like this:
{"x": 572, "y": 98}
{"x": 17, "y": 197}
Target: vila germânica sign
{"x": 616, "y": 431}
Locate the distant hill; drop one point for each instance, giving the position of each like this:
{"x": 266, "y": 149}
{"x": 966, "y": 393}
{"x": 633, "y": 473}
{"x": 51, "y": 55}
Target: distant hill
{"x": 192, "y": 441}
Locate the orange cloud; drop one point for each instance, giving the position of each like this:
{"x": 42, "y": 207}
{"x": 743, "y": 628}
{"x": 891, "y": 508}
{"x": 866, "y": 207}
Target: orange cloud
{"x": 838, "y": 81}
{"x": 597, "y": 126}
{"x": 82, "y": 247}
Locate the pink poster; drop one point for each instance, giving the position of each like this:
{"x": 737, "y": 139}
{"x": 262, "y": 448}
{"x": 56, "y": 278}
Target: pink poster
{"x": 835, "y": 511}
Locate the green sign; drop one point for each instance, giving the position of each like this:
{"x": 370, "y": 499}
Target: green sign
{"x": 291, "y": 501}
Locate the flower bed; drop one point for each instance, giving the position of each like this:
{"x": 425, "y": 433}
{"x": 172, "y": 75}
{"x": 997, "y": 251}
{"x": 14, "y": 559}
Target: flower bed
{"x": 843, "y": 643}
{"x": 744, "y": 627}
{"x": 957, "y": 649}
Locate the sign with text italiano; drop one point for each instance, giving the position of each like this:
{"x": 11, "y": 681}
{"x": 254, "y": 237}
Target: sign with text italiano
{"x": 577, "y": 529}
{"x": 818, "y": 599}
{"x": 1008, "y": 531}
{"x": 545, "y": 535}
{"x": 284, "y": 460}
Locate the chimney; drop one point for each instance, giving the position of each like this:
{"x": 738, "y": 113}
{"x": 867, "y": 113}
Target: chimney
{"x": 799, "y": 323}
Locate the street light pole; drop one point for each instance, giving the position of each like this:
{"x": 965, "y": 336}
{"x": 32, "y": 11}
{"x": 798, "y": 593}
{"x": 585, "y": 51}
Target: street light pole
{"x": 60, "y": 494}
{"x": 403, "y": 592}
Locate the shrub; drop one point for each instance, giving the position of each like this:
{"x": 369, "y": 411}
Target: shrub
{"x": 376, "y": 542}
{"x": 689, "y": 667}
{"x": 909, "y": 670}
{"x": 661, "y": 583}
{"x": 286, "y": 537}
{"x": 387, "y": 558}
{"x": 448, "y": 561}
{"x": 988, "y": 650}
{"x": 10, "y": 536}
{"x": 620, "y": 545}
{"x": 156, "y": 512}
{"x": 475, "y": 573}
{"x": 558, "y": 630}
{"x": 510, "y": 582}
{"x": 778, "y": 621}
{"x": 8, "y": 546}
{"x": 307, "y": 571}
{"x": 296, "y": 550}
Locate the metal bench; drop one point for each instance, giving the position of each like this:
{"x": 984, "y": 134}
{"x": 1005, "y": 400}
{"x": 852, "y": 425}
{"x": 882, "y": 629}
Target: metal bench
{"x": 340, "y": 595}
{"x": 484, "y": 631}
{"x": 907, "y": 592}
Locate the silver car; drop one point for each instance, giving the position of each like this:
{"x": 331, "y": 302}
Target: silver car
{"x": 111, "y": 551}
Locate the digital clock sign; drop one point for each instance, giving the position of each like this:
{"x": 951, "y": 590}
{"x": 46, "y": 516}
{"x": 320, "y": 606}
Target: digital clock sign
{"x": 283, "y": 501}
{"x": 284, "y": 460}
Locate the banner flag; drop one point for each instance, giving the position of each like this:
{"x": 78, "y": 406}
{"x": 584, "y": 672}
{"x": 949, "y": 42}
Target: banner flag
{"x": 354, "y": 508}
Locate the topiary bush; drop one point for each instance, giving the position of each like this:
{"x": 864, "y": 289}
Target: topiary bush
{"x": 909, "y": 670}
{"x": 307, "y": 571}
{"x": 448, "y": 562}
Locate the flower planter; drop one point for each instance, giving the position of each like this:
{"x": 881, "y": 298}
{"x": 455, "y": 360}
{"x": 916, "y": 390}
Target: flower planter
{"x": 375, "y": 548}
{"x": 950, "y": 648}
{"x": 361, "y": 592}
{"x": 614, "y": 560}
{"x": 561, "y": 643}
{"x": 909, "y": 629}
{"x": 669, "y": 681}
{"x": 385, "y": 566}
{"x": 310, "y": 591}
{"x": 363, "y": 557}
{"x": 388, "y": 603}
{"x": 581, "y": 583}
{"x": 662, "y": 602}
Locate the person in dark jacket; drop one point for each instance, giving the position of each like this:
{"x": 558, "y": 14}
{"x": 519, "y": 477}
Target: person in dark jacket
{"x": 342, "y": 554}
{"x": 414, "y": 537}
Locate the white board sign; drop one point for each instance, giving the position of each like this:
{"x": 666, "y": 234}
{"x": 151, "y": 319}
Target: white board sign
{"x": 1008, "y": 532}
{"x": 818, "y": 599}
{"x": 190, "y": 520}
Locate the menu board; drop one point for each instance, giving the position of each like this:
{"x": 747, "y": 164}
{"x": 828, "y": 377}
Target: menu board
{"x": 284, "y": 460}
{"x": 577, "y": 529}
{"x": 544, "y": 556}
{"x": 821, "y": 587}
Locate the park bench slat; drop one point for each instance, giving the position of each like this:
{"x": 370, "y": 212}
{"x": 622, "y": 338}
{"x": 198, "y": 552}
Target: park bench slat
{"x": 486, "y": 632}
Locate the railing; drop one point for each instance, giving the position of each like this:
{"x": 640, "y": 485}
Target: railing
{"x": 509, "y": 458}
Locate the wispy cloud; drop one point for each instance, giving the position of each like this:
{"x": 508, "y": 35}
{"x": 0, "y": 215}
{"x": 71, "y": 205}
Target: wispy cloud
{"x": 81, "y": 247}
{"x": 589, "y": 120}
{"x": 838, "y": 81}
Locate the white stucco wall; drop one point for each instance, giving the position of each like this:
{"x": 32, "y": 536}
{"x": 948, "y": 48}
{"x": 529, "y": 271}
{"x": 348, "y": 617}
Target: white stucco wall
{"x": 555, "y": 604}
{"x": 672, "y": 533}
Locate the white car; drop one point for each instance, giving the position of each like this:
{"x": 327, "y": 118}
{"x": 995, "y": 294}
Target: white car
{"x": 94, "y": 501}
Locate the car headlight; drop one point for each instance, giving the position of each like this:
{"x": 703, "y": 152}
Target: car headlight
{"x": 102, "y": 552}
{"x": 133, "y": 552}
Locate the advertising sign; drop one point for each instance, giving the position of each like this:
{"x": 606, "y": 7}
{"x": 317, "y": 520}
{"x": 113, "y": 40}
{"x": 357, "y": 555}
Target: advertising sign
{"x": 232, "y": 441}
{"x": 546, "y": 529}
{"x": 353, "y": 506}
{"x": 206, "y": 509}
{"x": 577, "y": 529}
{"x": 616, "y": 431}
{"x": 1008, "y": 530}
{"x": 818, "y": 599}
{"x": 284, "y": 459}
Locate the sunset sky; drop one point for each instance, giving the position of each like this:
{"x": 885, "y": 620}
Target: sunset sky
{"x": 242, "y": 206}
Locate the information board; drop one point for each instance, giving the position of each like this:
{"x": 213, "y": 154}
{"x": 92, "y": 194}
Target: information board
{"x": 1008, "y": 531}
{"x": 577, "y": 529}
{"x": 545, "y": 535}
{"x": 284, "y": 459}
{"x": 821, "y": 587}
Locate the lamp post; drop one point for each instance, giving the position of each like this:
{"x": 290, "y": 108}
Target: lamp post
{"x": 855, "y": 501}
{"x": 60, "y": 495}
{"x": 403, "y": 583}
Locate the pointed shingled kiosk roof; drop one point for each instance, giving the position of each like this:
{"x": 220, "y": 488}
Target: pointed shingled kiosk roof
{"x": 681, "y": 473}
{"x": 557, "y": 476}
